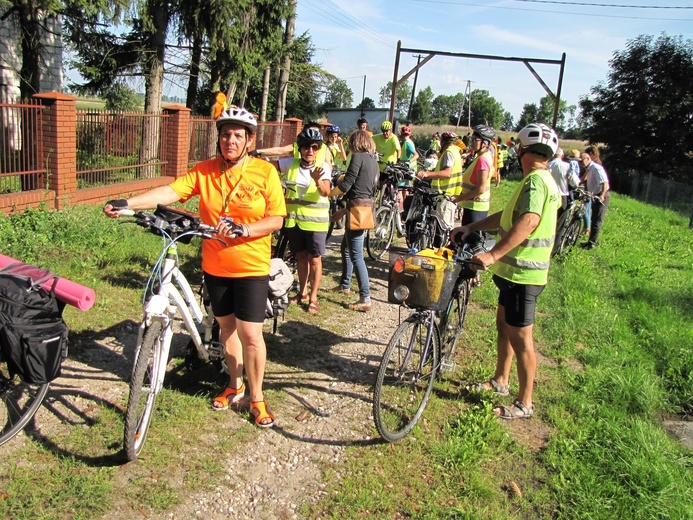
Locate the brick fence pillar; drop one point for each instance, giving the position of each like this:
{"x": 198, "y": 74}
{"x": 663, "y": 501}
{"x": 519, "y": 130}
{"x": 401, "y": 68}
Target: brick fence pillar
{"x": 175, "y": 149}
{"x": 60, "y": 144}
{"x": 295, "y": 126}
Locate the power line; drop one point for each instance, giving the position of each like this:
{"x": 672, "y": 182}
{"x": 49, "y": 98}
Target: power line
{"x": 605, "y": 5}
{"x": 353, "y": 24}
{"x": 590, "y": 14}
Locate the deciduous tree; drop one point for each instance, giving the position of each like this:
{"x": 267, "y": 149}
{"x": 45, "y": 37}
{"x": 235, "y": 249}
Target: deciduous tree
{"x": 644, "y": 112}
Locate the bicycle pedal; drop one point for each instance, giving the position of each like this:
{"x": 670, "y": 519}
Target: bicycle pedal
{"x": 447, "y": 366}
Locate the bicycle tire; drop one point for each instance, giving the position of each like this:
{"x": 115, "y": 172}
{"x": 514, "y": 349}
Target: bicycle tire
{"x": 572, "y": 235}
{"x": 402, "y": 392}
{"x": 138, "y": 414}
{"x": 20, "y": 402}
{"x": 452, "y": 324}
{"x": 379, "y": 238}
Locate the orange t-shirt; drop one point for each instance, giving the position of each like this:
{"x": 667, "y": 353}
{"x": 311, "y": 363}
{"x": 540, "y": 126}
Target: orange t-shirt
{"x": 258, "y": 195}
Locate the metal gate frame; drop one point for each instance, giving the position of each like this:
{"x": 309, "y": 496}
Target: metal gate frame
{"x": 527, "y": 61}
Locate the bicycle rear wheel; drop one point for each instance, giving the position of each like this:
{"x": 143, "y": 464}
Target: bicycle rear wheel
{"x": 379, "y": 238}
{"x": 20, "y": 401}
{"x": 142, "y": 397}
{"x": 405, "y": 379}
{"x": 453, "y": 325}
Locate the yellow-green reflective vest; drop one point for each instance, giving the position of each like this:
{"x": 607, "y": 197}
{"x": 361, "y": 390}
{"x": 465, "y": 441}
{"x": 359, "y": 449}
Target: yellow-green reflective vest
{"x": 528, "y": 263}
{"x": 451, "y": 186}
{"x": 312, "y": 212}
{"x": 320, "y": 155}
{"x": 336, "y": 156}
{"x": 480, "y": 202}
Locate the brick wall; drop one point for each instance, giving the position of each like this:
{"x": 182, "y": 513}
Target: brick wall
{"x": 59, "y": 149}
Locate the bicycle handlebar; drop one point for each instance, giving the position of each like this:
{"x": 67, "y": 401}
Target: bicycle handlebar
{"x": 169, "y": 221}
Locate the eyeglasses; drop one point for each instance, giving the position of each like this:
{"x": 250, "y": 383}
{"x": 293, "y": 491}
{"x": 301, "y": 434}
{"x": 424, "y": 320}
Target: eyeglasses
{"x": 315, "y": 147}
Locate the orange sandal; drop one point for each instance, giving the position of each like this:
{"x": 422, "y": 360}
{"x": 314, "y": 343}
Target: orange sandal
{"x": 223, "y": 398}
{"x": 259, "y": 410}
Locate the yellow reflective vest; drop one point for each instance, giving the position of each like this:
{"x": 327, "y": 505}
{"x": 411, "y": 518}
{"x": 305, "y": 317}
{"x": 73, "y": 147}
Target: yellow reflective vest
{"x": 529, "y": 262}
{"x": 309, "y": 213}
{"x": 452, "y": 185}
{"x": 480, "y": 202}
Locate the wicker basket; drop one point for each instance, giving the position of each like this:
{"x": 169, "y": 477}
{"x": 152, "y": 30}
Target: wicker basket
{"x": 429, "y": 277}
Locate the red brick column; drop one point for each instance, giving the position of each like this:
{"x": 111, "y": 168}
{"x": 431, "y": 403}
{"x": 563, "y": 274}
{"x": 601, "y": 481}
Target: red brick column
{"x": 60, "y": 144}
{"x": 175, "y": 149}
{"x": 295, "y": 126}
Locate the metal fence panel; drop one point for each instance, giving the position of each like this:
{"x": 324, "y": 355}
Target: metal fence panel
{"x": 115, "y": 147}
{"x": 21, "y": 147}
{"x": 654, "y": 190}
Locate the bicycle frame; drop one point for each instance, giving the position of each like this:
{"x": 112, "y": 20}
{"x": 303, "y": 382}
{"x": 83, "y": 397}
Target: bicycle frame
{"x": 175, "y": 295}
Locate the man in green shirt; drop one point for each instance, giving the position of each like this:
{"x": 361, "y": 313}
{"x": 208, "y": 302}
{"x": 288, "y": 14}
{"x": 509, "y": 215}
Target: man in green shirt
{"x": 519, "y": 262}
{"x": 387, "y": 145}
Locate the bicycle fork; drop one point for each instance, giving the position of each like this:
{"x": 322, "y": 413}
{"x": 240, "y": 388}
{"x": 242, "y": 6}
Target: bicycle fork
{"x": 426, "y": 351}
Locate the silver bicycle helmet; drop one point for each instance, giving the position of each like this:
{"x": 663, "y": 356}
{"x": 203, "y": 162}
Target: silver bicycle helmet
{"x": 485, "y": 132}
{"x": 538, "y": 138}
{"x": 239, "y": 116}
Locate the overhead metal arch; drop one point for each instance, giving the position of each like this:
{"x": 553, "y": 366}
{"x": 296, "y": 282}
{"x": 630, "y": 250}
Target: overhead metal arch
{"x": 556, "y": 98}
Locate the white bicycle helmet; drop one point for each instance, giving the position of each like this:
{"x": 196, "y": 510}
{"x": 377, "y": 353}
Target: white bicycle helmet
{"x": 538, "y": 138}
{"x": 239, "y": 116}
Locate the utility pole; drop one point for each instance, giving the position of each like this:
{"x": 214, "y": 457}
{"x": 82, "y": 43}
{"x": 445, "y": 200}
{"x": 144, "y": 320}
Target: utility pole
{"x": 413, "y": 89}
{"x": 468, "y": 96}
{"x": 363, "y": 96}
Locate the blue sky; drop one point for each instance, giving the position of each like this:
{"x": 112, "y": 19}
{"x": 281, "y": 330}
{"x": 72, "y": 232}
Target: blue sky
{"x": 354, "y": 38}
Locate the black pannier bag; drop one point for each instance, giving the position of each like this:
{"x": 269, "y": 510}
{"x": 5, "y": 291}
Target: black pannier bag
{"x": 33, "y": 335}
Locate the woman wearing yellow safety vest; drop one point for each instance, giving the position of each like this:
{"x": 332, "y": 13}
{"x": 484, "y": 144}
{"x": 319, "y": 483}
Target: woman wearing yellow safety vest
{"x": 335, "y": 146}
{"x": 475, "y": 196}
{"x": 520, "y": 264}
{"x": 307, "y": 183}
{"x": 446, "y": 176}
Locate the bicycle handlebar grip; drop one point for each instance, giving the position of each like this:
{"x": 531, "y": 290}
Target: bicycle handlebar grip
{"x": 126, "y": 213}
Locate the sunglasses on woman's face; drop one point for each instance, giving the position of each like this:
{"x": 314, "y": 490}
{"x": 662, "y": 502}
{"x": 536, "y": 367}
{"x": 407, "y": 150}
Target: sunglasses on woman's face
{"x": 314, "y": 147}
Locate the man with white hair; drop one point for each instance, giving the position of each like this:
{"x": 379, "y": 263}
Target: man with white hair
{"x": 565, "y": 179}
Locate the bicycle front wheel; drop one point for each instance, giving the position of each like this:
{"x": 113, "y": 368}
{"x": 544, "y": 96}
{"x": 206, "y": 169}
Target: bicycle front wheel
{"x": 405, "y": 379}
{"x": 379, "y": 238}
{"x": 20, "y": 401}
{"x": 142, "y": 395}
{"x": 452, "y": 324}
{"x": 572, "y": 235}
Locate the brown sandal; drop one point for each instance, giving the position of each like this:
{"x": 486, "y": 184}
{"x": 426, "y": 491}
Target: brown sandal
{"x": 223, "y": 398}
{"x": 313, "y": 307}
{"x": 304, "y": 298}
{"x": 260, "y": 411}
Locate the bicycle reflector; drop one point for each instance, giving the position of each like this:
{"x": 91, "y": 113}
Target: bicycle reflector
{"x": 401, "y": 292}
{"x": 398, "y": 266}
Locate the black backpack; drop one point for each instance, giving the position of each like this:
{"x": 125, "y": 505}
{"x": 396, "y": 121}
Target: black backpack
{"x": 33, "y": 335}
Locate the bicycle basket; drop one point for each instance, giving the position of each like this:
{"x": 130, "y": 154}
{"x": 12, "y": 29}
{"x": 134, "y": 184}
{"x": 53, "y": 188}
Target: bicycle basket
{"x": 179, "y": 221}
{"x": 428, "y": 278}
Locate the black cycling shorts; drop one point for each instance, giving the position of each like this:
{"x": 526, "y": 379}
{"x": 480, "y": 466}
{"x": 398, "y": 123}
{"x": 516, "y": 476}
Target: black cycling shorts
{"x": 244, "y": 297}
{"x": 519, "y": 301}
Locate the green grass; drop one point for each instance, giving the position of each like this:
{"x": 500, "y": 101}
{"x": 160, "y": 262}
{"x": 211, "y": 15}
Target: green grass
{"x": 614, "y": 328}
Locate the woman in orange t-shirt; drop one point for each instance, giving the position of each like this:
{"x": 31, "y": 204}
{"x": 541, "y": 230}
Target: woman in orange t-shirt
{"x": 236, "y": 271}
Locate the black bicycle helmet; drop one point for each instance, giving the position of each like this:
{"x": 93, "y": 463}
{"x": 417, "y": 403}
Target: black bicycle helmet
{"x": 485, "y": 132}
{"x": 308, "y": 136}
